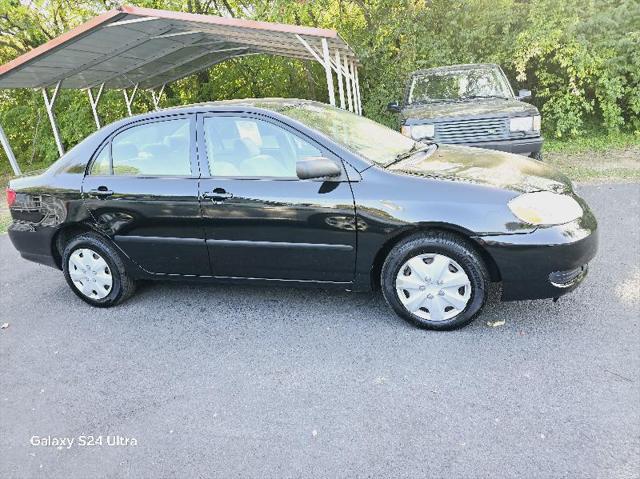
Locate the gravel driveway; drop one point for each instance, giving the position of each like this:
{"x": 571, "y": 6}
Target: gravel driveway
{"x": 227, "y": 381}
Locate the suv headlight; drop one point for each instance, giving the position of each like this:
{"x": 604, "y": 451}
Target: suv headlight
{"x": 419, "y": 132}
{"x": 545, "y": 208}
{"x": 525, "y": 123}
{"x": 537, "y": 120}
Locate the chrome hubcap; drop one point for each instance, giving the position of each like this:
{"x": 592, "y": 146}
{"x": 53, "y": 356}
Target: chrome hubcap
{"x": 433, "y": 287}
{"x": 90, "y": 273}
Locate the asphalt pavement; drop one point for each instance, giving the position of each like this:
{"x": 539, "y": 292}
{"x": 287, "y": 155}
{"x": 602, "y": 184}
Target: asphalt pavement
{"x": 229, "y": 381}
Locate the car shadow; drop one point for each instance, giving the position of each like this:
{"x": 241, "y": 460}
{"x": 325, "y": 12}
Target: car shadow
{"x": 207, "y": 303}
{"x": 289, "y": 303}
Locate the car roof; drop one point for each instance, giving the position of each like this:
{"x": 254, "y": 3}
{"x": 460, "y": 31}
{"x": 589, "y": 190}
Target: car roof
{"x": 462, "y": 66}
{"x": 278, "y": 106}
{"x": 247, "y": 104}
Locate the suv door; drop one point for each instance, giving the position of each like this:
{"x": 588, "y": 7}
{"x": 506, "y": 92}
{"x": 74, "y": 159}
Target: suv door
{"x": 142, "y": 191}
{"x": 261, "y": 221}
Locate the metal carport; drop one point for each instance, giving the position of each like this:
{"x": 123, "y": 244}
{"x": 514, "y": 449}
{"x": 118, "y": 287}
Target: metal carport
{"x": 132, "y": 48}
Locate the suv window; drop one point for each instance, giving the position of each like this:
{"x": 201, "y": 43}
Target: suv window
{"x": 459, "y": 84}
{"x": 160, "y": 148}
{"x": 249, "y": 147}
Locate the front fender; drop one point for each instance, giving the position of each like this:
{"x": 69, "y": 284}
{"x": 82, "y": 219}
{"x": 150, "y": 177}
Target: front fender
{"x": 412, "y": 203}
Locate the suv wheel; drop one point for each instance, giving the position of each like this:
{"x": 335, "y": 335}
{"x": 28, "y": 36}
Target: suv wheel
{"x": 95, "y": 271}
{"x": 435, "y": 281}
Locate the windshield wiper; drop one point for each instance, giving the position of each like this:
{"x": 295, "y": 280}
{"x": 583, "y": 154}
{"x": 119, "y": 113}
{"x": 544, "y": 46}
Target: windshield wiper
{"x": 471, "y": 97}
{"x": 416, "y": 148}
{"x": 434, "y": 100}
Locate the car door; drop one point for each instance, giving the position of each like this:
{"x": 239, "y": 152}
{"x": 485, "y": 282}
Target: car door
{"x": 260, "y": 220}
{"x": 142, "y": 191}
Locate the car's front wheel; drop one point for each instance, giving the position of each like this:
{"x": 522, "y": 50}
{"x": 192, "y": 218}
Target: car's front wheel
{"x": 435, "y": 280}
{"x": 95, "y": 271}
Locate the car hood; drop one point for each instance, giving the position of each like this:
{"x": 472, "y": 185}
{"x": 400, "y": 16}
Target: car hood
{"x": 490, "y": 107}
{"x": 485, "y": 167}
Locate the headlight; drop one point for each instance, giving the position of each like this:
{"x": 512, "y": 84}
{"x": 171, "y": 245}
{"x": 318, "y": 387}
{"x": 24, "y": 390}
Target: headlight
{"x": 545, "y": 208}
{"x": 536, "y": 123}
{"x": 419, "y": 132}
{"x": 525, "y": 123}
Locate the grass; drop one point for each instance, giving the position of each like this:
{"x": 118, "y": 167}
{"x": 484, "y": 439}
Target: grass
{"x": 593, "y": 141}
{"x": 5, "y": 221}
{"x": 5, "y": 218}
{"x": 597, "y": 157}
{"x": 593, "y": 167}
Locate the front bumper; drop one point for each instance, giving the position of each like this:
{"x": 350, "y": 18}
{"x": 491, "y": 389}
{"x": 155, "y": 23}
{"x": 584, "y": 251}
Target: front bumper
{"x": 523, "y": 146}
{"x": 546, "y": 263}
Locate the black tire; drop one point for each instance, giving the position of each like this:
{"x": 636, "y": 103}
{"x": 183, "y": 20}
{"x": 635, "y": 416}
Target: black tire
{"x": 444, "y": 243}
{"x": 123, "y": 286}
{"x": 537, "y": 155}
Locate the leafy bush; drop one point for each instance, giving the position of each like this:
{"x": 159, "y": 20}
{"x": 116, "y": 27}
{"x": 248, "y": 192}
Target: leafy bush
{"x": 583, "y": 57}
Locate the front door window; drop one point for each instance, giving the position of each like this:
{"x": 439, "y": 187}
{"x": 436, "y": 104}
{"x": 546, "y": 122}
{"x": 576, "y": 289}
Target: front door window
{"x": 250, "y": 148}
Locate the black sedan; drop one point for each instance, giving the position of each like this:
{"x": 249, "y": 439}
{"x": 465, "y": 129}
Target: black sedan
{"x": 298, "y": 192}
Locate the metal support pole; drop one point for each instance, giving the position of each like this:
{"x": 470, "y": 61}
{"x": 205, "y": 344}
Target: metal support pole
{"x": 48, "y": 103}
{"x": 339, "y": 74}
{"x": 348, "y": 83}
{"x": 94, "y": 103}
{"x": 314, "y": 54}
{"x": 156, "y": 96}
{"x": 349, "y": 70}
{"x": 327, "y": 69}
{"x": 354, "y": 86}
{"x": 357, "y": 82}
{"x": 9, "y": 152}
{"x": 129, "y": 99}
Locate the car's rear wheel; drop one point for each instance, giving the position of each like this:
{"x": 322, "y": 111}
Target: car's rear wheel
{"x": 95, "y": 271}
{"x": 435, "y": 280}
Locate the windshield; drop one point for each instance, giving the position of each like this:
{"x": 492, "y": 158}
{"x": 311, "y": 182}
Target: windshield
{"x": 365, "y": 137}
{"x": 454, "y": 85}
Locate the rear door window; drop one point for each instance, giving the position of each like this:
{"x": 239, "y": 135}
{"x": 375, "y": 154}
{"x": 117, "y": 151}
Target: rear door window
{"x": 161, "y": 148}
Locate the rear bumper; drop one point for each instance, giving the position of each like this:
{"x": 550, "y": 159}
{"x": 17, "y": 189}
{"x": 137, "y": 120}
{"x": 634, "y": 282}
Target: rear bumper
{"x": 546, "y": 263}
{"x": 524, "y": 146}
{"x": 33, "y": 243}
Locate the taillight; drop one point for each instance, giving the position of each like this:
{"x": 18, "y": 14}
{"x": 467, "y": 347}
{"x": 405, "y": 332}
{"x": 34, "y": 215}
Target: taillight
{"x": 11, "y": 197}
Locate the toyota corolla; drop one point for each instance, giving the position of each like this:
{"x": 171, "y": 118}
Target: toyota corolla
{"x": 298, "y": 192}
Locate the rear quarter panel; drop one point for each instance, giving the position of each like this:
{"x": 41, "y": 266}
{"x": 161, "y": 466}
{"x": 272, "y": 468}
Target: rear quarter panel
{"x": 44, "y": 203}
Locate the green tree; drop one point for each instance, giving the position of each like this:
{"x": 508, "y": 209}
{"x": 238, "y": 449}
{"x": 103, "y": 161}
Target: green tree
{"x": 581, "y": 58}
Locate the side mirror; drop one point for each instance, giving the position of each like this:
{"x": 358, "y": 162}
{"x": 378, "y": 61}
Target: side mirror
{"x": 317, "y": 167}
{"x": 393, "y": 107}
{"x": 524, "y": 94}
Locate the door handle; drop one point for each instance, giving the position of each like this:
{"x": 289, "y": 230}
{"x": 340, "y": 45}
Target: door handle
{"x": 101, "y": 192}
{"x": 217, "y": 195}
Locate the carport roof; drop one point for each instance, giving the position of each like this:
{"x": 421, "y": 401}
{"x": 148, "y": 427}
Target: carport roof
{"x": 140, "y": 46}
